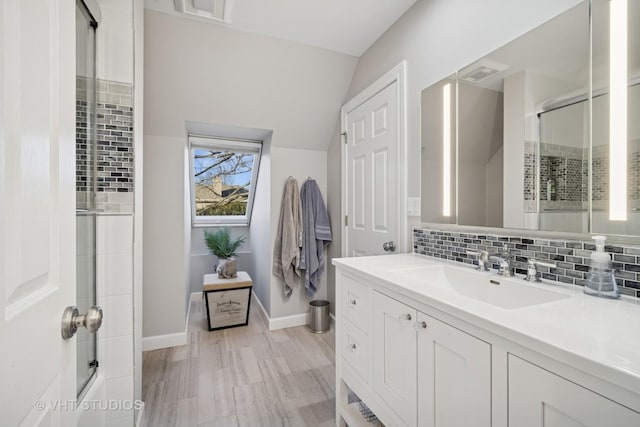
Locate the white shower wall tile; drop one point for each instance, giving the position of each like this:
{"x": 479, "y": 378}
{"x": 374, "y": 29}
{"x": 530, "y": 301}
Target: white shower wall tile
{"x": 114, "y": 277}
{"x": 114, "y": 234}
{"x": 116, "y": 356}
{"x": 118, "y": 317}
{"x": 114, "y": 274}
{"x": 119, "y": 391}
{"x": 126, "y": 421}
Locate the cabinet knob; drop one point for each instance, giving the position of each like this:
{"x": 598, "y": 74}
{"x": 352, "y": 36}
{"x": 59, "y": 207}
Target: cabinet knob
{"x": 352, "y": 302}
{"x": 352, "y": 347}
{"x": 420, "y": 325}
{"x": 405, "y": 317}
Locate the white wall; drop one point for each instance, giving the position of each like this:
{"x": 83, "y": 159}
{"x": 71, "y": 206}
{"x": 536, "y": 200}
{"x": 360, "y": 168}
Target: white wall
{"x": 208, "y": 73}
{"x": 165, "y": 247}
{"x": 212, "y": 74}
{"x": 260, "y": 230}
{"x": 436, "y": 38}
{"x": 299, "y": 164}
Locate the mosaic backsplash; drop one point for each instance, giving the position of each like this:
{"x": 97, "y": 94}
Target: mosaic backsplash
{"x": 570, "y": 256}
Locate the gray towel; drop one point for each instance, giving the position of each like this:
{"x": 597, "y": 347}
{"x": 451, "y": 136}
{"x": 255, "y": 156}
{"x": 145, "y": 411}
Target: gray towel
{"x": 286, "y": 250}
{"x": 316, "y": 234}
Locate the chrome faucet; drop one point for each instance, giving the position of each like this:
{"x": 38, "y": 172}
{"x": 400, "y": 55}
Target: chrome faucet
{"x": 483, "y": 259}
{"x": 533, "y": 275}
{"x": 505, "y": 260}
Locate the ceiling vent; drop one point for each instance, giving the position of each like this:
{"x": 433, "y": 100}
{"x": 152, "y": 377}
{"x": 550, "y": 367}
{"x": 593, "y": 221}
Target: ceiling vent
{"x": 217, "y": 10}
{"x": 481, "y": 70}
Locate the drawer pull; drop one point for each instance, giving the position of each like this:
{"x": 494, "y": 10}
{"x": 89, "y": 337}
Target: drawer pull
{"x": 405, "y": 317}
{"x": 420, "y": 325}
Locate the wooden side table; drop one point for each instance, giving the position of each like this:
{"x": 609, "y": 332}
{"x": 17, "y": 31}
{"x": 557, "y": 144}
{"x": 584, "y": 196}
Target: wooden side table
{"x": 227, "y": 300}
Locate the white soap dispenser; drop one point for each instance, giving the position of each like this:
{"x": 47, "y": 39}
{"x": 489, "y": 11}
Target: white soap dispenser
{"x": 600, "y": 279}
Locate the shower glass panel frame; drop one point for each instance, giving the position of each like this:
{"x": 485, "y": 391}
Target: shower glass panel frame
{"x": 86, "y": 93}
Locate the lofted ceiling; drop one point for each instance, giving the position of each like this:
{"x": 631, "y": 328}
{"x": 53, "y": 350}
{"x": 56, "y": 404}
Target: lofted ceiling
{"x": 346, "y": 26}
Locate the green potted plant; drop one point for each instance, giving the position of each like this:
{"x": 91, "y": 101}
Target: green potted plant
{"x": 225, "y": 248}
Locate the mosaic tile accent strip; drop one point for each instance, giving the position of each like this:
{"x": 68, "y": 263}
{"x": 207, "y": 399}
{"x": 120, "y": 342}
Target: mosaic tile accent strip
{"x": 570, "y": 256}
{"x": 114, "y": 128}
{"x": 568, "y": 168}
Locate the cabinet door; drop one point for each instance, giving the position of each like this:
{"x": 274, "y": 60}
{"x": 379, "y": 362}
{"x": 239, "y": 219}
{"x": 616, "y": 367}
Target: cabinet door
{"x": 539, "y": 398}
{"x": 394, "y": 356}
{"x": 454, "y": 376}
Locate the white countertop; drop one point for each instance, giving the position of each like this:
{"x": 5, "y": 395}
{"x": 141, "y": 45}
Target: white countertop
{"x": 596, "y": 334}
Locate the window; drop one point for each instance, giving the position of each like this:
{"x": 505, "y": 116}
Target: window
{"x": 223, "y": 180}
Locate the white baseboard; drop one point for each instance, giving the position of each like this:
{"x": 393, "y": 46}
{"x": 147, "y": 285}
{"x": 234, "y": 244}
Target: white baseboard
{"x": 262, "y": 310}
{"x": 282, "y": 322}
{"x": 289, "y": 321}
{"x": 157, "y": 342}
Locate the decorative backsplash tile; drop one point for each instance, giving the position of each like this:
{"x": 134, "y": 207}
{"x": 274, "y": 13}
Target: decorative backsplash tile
{"x": 114, "y": 131}
{"x": 570, "y": 256}
{"x": 110, "y": 162}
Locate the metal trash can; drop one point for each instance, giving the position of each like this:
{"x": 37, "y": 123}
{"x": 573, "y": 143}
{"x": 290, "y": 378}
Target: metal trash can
{"x": 319, "y": 323}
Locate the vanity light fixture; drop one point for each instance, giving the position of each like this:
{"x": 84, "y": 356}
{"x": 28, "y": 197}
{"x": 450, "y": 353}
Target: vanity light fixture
{"x": 446, "y": 150}
{"x": 618, "y": 110}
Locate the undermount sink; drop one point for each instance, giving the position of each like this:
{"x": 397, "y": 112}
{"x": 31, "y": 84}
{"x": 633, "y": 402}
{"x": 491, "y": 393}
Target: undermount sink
{"x": 488, "y": 288}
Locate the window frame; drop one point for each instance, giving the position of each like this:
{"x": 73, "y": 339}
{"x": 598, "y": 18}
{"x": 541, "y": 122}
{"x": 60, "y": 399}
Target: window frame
{"x": 248, "y": 146}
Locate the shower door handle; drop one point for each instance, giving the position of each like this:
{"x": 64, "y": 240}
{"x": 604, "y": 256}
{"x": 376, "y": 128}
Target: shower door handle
{"x": 72, "y": 320}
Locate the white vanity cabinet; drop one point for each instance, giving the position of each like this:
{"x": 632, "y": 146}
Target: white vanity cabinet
{"x": 427, "y": 372}
{"x": 539, "y": 398}
{"x": 395, "y": 367}
{"x": 415, "y": 359}
{"x": 454, "y": 376}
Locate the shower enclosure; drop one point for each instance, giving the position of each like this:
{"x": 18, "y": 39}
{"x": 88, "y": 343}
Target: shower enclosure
{"x": 85, "y": 189}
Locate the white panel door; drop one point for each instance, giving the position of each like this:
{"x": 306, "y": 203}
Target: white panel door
{"x": 394, "y": 356}
{"x": 37, "y": 211}
{"x": 454, "y": 376}
{"x": 372, "y": 174}
{"x": 538, "y": 398}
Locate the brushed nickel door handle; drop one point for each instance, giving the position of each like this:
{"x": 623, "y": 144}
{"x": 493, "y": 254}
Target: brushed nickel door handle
{"x": 72, "y": 320}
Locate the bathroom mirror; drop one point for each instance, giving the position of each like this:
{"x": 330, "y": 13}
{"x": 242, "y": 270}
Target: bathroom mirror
{"x": 523, "y": 132}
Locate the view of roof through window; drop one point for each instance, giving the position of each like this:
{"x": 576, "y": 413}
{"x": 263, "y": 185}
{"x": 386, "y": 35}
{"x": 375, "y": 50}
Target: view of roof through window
{"x": 224, "y": 174}
{"x": 222, "y": 182}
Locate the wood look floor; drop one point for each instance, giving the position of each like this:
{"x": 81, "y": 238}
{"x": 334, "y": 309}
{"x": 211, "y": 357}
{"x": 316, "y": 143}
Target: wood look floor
{"x": 245, "y": 376}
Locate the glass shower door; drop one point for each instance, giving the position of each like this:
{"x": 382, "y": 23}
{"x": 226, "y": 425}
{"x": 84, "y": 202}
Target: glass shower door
{"x": 85, "y": 189}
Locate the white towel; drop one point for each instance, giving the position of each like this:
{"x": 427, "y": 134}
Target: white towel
{"x": 286, "y": 250}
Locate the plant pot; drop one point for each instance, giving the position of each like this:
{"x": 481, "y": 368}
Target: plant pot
{"x": 227, "y": 268}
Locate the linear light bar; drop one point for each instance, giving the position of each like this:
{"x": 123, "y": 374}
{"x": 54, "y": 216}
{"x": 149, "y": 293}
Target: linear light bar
{"x": 446, "y": 150}
{"x": 618, "y": 111}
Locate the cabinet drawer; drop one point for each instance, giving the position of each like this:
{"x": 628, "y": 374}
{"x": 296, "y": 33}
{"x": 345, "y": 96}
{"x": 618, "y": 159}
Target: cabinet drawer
{"x": 355, "y": 349}
{"x": 356, "y": 303}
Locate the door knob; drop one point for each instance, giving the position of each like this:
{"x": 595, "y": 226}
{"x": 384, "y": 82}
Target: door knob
{"x": 72, "y": 320}
{"x": 389, "y": 246}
